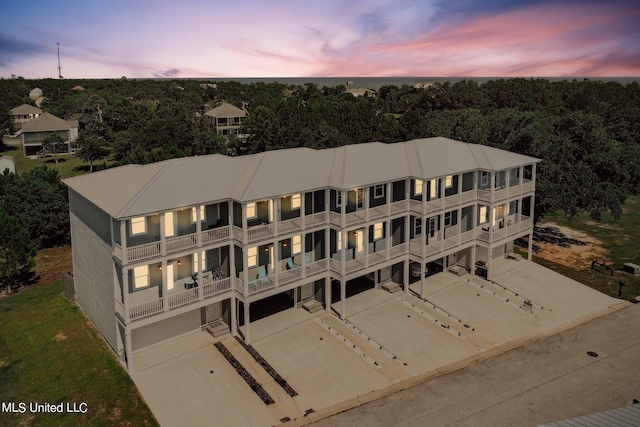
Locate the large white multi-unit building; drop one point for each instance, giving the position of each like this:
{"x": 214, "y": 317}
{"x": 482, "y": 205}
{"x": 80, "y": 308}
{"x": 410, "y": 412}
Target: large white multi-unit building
{"x": 163, "y": 249}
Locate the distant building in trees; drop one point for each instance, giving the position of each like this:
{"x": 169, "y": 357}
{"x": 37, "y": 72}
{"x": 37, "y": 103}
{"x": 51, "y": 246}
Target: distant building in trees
{"x": 35, "y": 131}
{"x": 23, "y": 114}
{"x": 225, "y": 118}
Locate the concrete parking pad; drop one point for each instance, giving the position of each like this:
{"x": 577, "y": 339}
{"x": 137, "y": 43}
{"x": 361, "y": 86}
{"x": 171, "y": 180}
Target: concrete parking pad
{"x": 387, "y": 343}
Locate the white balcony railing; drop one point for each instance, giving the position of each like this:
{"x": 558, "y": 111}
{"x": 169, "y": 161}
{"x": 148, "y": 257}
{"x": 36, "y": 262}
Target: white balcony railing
{"x": 147, "y": 250}
{"x": 183, "y": 297}
{"x": 259, "y": 232}
{"x": 215, "y": 234}
{"x": 145, "y": 309}
{"x": 217, "y": 287}
{"x": 179, "y": 243}
{"x": 289, "y": 225}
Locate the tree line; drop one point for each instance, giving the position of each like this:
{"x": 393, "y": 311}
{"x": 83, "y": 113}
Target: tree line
{"x": 586, "y": 132}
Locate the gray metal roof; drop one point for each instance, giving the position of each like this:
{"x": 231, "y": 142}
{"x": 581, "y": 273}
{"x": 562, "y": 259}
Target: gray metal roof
{"x": 47, "y": 122}
{"x": 129, "y": 191}
{"x": 226, "y": 110}
{"x": 629, "y": 416}
{"x": 25, "y": 109}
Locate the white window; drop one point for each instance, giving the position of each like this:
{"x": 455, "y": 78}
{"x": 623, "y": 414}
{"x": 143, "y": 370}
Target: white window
{"x": 417, "y": 187}
{"x": 448, "y": 181}
{"x": 296, "y": 246}
{"x": 417, "y": 227}
{"x": 378, "y": 191}
{"x": 484, "y": 178}
{"x": 433, "y": 189}
{"x": 251, "y": 210}
{"x": 378, "y": 231}
{"x": 295, "y": 201}
{"x": 138, "y": 225}
{"x": 447, "y": 219}
{"x": 252, "y": 256}
{"x": 169, "y": 228}
{"x": 359, "y": 198}
{"x": 339, "y": 243}
{"x": 199, "y": 262}
{"x": 141, "y": 276}
{"x": 194, "y": 213}
{"x": 338, "y": 199}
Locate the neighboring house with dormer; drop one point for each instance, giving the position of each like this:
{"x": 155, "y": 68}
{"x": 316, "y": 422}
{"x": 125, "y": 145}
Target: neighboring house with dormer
{"x": 22, "y": 114}
{"x": 226, "y": 118}
{"x": 35, "y": 131}
{"x": 158, "y": 254}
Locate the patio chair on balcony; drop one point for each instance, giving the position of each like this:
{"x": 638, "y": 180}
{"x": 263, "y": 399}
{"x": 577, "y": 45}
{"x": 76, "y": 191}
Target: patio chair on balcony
{"x": 194, "y": 277}
{"x": 262, "y": 273}
{"x": 291, "y": 265}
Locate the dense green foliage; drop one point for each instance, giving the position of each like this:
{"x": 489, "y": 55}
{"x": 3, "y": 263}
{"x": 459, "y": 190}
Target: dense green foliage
{"x": 16, "y": 252}
{"x": 39, "y": 202}
{"x": 586, "y": 132}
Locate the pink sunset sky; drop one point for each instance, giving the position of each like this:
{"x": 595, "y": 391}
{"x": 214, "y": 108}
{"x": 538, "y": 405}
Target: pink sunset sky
{"x": 304, "y": 38}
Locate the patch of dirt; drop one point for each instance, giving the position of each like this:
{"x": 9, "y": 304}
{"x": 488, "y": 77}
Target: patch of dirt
{"x": 52, "y": 262}
{"x": 3, "y": 364}
{"x": 60, "y": 336}
{"x": 569, "y": 252}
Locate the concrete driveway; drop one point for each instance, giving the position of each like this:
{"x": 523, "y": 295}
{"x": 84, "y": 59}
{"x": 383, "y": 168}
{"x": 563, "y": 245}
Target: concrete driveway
{"x": 389, "y": 342}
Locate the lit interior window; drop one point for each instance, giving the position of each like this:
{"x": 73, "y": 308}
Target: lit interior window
{"x": 418, "y": 187}
{"x": 295, "y": 201}
{"x": 251, "y": 210}
{"x": 194, "y": 213}
{"x": 252, "y": 256}
{"x": 296, "y": 246}
{"x": 377, "y": 231}
{"x": 138, "y": 225}
{"x": 141, "y": 276}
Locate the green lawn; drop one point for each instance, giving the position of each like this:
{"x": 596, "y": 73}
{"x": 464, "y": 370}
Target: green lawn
{"x": 49, "y": 352}
{"x": 621, "y": 238}
{"x": 68, "y": 165}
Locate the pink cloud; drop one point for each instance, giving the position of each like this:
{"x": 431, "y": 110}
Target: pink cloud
{"x": 546, "y": 40}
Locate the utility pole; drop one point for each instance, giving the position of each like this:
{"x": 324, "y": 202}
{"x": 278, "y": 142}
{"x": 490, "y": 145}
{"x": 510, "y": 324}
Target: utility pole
{"x": 59, "y": 67}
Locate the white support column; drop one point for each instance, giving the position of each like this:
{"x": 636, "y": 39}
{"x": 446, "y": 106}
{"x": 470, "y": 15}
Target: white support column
{"x": 327, "y": 294}
{"x": 230, "y": 214}
{"x": 128, "y": 351}
{"x": 489, "y": 261}
{"x": 530, "y": 247}
{"x": 247, "y": 321}
{"x": 245, "y": 271}
{"x": 244, "y": 223}
{"x": 473, "y": 260}
{"x": 165, "y": 291}
{"x": 405, "y": 266}
{"x": 198, "y": 227}
{"x": 423, "y": 285}
{"x": 234, "y": 316}
{"x": 303, "y": 209}
{"x": 125, "y": 294}
{"x": 343, "y": 299}
{"x": 388, "y": 199}
{"x": 123, "y": 241}
{"x": 163, "y": 234}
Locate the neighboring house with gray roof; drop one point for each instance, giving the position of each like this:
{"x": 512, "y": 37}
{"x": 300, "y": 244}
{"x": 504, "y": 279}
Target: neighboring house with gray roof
{"x": 22, "y": 114}
{"x": 164, "y": 249}
{"x": 35, "y": 131}
{"x": 226, "y": 118}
